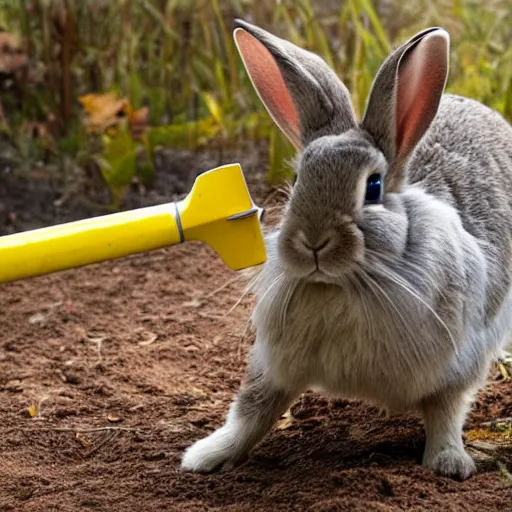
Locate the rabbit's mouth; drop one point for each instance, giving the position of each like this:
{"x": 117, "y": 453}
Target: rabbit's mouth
{"x": 318, "y": 276}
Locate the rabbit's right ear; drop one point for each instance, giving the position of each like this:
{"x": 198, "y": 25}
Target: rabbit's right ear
{"x": 301, "y": 93}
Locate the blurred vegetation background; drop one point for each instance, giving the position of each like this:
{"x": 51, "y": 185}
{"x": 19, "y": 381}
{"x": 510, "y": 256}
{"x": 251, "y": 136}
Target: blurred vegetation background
{"x": 99, "y": 86}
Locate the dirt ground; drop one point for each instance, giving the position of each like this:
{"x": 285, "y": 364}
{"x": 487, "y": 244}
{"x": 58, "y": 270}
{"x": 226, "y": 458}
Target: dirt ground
{"x": 126, "y": 363}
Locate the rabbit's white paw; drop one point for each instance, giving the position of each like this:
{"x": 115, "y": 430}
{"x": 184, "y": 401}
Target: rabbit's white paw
{"x": 454, "y": 462}
{"x": 217, "y": 451}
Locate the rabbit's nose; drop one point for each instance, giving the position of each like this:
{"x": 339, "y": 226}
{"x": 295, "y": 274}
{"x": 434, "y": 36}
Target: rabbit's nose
{"x": 313, "y": 248}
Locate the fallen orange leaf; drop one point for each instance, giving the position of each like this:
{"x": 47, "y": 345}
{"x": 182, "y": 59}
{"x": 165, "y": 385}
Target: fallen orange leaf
{"x": 102, "y": 110}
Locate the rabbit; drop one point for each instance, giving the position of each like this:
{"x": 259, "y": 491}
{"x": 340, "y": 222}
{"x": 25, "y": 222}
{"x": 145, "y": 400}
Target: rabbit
{"x": 388, "y": 279}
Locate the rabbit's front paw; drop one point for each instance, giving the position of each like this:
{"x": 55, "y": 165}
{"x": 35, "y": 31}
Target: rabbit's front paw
{"x": 452, "y": 462}
{"x": 215, "y": 452}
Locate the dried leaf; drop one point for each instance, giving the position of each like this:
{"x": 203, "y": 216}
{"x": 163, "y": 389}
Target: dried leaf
{"x": 83, "y": 440}
{"x": 32, "y": 410}
{"x": 286, "y": 421}
{"x": 102, "y": 111}
{"x": 37, "y": 318}
{"x": 151, "y": 339}
{"x": 194, "y": 303}
{"x": 503, "y": 371}
{"x": 482, "y": 434}
{"x": 42, "y": 316}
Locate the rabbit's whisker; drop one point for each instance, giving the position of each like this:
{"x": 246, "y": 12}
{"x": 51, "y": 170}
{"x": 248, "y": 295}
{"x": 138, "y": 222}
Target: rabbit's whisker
{"x": 244, "y": 294}
{"x": 290, "y": 289}
{"x": 399, "y": 282}
{"x": 415, "y": 270}
{"x": 375, "y": 286}
{"x": 355, "y": 280}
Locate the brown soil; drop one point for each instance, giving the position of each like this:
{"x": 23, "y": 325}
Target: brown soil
{"x": 128, "y": 362}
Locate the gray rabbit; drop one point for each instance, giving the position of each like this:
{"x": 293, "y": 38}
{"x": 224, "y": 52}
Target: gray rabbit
{"x": 389, "y": 277}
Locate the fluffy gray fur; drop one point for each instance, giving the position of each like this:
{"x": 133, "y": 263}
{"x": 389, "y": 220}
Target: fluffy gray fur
{"x": 403, "y": 304}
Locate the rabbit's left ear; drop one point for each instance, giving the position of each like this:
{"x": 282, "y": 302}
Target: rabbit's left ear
{"x": 405, "y": 97}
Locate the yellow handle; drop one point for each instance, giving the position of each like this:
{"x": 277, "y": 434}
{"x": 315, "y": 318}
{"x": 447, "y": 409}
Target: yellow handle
{"x": 88, "y": 241}
{"x": 218, "y": 211}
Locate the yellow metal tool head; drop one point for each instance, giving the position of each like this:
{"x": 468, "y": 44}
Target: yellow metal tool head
{"x": 220, "y": 212}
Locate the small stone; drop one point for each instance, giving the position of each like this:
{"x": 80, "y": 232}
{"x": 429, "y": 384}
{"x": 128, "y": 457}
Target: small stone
{"x": 71, "y": 378}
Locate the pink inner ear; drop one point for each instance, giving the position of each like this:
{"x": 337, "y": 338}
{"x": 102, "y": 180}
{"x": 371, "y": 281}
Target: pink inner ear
{"x": 421, "y": 81}
{"x": 269, "y": 84}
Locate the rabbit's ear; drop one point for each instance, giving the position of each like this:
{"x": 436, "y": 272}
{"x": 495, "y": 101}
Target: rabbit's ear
{"x": 405, "y": 96}
{"x": 302, "y": 94}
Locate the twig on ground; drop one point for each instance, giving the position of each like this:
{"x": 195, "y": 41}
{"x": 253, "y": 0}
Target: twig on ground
{"x": 496, "y": 421}
{"x": 220, "y": 288}
{"x": 105, "y": 438}
{"x": 85, "y": 430}
{"x": 504, "y": 472}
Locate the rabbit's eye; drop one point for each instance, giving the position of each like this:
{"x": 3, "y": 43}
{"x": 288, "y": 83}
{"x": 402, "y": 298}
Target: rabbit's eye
{"x": 373, "y": 189}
